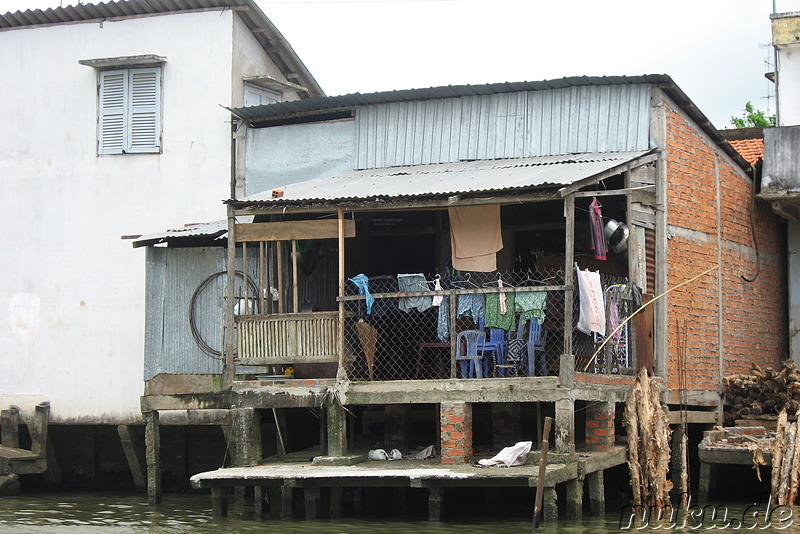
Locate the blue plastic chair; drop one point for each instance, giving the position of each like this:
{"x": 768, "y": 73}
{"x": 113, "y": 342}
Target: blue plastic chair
{"x": 469, "y": 353}
{"x": 537, "y": 337}
{"x": 495, "y": 344}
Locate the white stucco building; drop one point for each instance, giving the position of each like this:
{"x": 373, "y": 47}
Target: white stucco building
{"x": 113, "y": 124}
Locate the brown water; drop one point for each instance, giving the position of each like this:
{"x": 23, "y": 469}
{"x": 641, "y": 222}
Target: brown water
{"x": 96, "y": 513}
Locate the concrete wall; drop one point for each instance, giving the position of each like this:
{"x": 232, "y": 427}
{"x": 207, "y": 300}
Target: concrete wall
{"x": 729, "y": 323}
{"x": 72, "y": 294}
{"x": 785, "y": 36}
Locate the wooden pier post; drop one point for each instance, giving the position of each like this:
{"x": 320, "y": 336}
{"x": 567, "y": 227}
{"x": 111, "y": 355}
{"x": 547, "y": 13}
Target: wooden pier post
{"x": 9, "y": 420}
{"x": 152, "y": 440}
{"x": 597, "y": 497}
{"x": 574, "y": 498}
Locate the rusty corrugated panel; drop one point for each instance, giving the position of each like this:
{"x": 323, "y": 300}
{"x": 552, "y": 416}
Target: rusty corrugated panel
{"x": 650, "y": 259}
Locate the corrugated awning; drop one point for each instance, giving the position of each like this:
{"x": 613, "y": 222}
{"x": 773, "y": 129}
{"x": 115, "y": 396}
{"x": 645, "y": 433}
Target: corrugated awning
{"x": 445, "y": 179}
{"x": 210, "y": 230}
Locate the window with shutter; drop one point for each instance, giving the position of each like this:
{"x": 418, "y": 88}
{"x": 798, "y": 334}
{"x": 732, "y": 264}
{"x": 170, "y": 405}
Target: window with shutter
{"x": 129, "y": 106}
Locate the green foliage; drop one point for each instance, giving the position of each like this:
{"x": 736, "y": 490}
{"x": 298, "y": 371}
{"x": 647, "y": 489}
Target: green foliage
{"x": 752, "y": 117}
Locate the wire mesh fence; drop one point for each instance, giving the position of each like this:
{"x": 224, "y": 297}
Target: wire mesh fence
{"x": 416, "y": 327}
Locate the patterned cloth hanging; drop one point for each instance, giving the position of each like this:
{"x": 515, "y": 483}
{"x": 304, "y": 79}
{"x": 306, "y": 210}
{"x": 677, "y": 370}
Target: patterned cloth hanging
{"x": 599, "y": 245}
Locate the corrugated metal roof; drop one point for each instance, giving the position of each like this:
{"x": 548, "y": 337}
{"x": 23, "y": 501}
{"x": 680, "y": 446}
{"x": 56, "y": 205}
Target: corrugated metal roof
{"x": 445, "y": 179}
{"x": 267, "y": 111}
{"x": 275, "y": 45}
{"x": 214, "y": 230}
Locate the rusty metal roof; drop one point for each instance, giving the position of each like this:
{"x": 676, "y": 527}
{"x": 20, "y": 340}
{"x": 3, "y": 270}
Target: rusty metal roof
{"x": 271, "y": 40}
{"x": 214, "y": 230}
{"x": 445, "y": 179}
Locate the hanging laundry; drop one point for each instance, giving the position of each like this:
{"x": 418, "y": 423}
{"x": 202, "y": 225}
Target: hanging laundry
{"x": 592, "y": 310}
{"x": 502, "y": 297}
{"x": 443, "y": 322}
{"x": 362, "y": 283}
{"x": 412, "y": 283}
{"x": 475, "y": 237}
{"x": 596, "y": 228}
{"x": 531, "y": 304}
{"x": 471, "y": 305}
{"x": 437, "y": 286}
{"x": 495, "y": 318}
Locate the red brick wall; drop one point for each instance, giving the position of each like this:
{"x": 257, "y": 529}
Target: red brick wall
{"x": 702, "y": 231}
{"x": 456, "y": 432}
{"x": 600, "y": 426}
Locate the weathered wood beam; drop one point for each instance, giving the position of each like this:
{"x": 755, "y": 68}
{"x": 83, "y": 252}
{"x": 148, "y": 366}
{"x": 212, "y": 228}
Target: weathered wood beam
{"x": 133, "y": 447}
{"x": 293, "y": 230}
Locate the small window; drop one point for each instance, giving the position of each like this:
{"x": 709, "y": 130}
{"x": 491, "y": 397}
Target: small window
{"x": 129, "y": 111}
{"x": 258, "y": 96}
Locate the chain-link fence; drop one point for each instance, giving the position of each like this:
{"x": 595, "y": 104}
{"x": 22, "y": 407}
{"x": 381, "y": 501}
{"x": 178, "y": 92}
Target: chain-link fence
{"x": 415, "y": 327}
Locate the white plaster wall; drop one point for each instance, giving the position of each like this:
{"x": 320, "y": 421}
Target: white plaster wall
{"x": 72, "y": 291}
{"x": 788, "y": 82}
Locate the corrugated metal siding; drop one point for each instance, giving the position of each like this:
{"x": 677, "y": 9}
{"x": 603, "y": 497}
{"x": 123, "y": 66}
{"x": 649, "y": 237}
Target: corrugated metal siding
{"x": 172, "y": 277}
{"x": 505, "y": 125}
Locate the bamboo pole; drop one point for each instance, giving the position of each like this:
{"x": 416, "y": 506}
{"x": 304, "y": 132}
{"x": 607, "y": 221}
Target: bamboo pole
{"x": 281, "y": 300}
{"x": 295, "y": 283}
{"x": 340, "y": 215}
{"x": 643, "y": 306}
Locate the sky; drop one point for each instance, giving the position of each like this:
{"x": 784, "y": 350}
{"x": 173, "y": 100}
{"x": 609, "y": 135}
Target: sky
{"x": 717, "y": 51}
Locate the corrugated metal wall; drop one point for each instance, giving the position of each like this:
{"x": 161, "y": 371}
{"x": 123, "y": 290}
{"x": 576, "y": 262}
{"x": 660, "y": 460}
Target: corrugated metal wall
{"x": 507, "y": 125}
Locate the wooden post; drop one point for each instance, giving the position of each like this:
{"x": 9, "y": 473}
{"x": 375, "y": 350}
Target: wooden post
{"x": 295, "y": 279}
{"x": 341, "y": 370}
{"x": 335, "y": 511}
{"x": 566, "y": 370}
{"x": 453, "y": 334}
{"x": 52, "y": 477}
{"x": 281, "y": 288}
{"x": 38, "y": 429}
{"x": 537, "y": 506}
{"x": 287, "y": 501}
{"x": 134, "y": 454}
{"x": 258, "y": 501}
{"x": 243, "y": 308}
{"x": 152, "y": 440}
{"x": 262, "y": 265}
{"x": 9, "y": 421}
{"x": 228, "y": 366}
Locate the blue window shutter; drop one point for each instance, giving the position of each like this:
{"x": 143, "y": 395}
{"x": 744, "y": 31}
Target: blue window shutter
{"x": 145, "y": 111}
{"x": 113, "y": 111}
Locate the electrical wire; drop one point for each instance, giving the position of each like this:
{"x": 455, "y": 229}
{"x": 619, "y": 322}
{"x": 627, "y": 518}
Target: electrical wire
{"x": 204, "y": 346}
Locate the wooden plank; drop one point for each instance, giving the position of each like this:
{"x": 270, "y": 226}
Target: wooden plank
{"x": 134, "y": 453}
{"x": 292, "y": 230}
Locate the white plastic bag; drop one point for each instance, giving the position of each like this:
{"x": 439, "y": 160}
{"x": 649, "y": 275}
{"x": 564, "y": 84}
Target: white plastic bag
{"x": 509, "y": 456}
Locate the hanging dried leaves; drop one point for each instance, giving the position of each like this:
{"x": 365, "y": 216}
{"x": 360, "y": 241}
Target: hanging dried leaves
{"x": 786, "y": 460}
{"x": 648, "y": 444}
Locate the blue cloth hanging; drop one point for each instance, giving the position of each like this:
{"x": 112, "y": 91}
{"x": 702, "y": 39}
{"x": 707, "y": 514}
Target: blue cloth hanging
{"x": 362, "y": 283}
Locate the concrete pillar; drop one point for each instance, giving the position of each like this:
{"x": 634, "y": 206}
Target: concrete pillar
{"x": 565, "y": 426}
{"x": 600, "y": 426}
{"x": 456, "y": 432}
{"x": 394, "y": 427}
{"x": 9, "y": 421}
{"x": 313, "y": 500}
{"x": 245, "y": 443}
{"x": 435, "y": 503}
{"x": 38, "y": 429}
{"x": 574, "y": 498}
{"x": 258, "y": 501}
{"x": 704, "y": 484}
{"x": 506, "y": 421}
{"x": 219, "y": 501}
{"x": 335, "y": 511}
{"x": 597, "y": 496}
{"x": 550, "y": 505}
{"x": 152, "y": 442}
{"x": 287, "y": 502}
{"x": 337, "y": 429}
